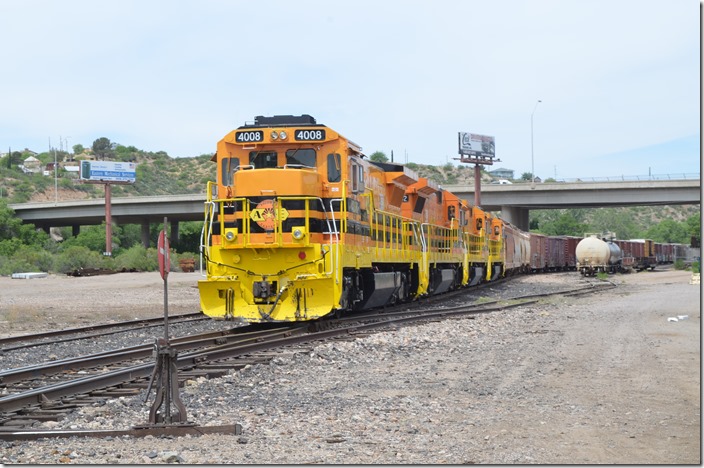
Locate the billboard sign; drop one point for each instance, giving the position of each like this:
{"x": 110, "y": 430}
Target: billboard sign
{"x": 478, "y": 146}
{"x": 108, "y": 171}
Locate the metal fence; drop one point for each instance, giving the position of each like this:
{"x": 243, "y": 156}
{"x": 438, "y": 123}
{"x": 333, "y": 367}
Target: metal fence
{"x": 636, "y": 178}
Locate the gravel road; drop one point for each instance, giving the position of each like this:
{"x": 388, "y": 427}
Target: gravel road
{"x": 599, "y": 379}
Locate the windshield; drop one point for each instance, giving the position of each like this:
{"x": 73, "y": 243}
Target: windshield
{"x": 301, "y": 157}
{"x": 262, "y": 159}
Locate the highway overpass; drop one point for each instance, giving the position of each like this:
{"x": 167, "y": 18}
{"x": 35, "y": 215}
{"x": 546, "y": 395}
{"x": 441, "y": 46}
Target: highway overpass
{"x": 514, "y": 201}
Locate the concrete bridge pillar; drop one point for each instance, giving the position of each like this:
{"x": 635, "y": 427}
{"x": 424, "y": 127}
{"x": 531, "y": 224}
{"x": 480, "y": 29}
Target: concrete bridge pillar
{"x": 145, "y": 234}
{"x": 173, "y": 237}
{"x": 517, "y": 216}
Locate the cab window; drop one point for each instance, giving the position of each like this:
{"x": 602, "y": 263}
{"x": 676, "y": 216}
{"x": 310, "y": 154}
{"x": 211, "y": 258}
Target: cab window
{"x": 262, "y": 159}
{"x": 420, "y": 203}
{"x": 229, "y": 166}
{"x": 334, "y": 168}
{"x": 301, "y": 157}
{"x": 357, "y": 173}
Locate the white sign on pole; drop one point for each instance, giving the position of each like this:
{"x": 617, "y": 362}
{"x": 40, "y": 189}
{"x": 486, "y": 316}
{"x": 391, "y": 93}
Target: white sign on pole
{"x": 108, "y": 171}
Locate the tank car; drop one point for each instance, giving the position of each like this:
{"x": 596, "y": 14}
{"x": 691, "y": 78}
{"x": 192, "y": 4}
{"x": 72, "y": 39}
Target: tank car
{"x": 596, "y": 255}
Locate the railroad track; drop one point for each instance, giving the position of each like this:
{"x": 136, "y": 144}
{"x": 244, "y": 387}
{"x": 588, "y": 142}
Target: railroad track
{"x": 39, "y": 393}
{"x": 13, "y": 343}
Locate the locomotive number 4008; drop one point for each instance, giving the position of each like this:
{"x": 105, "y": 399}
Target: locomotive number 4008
{"x": 308, "y": 135}
{"x": 246, "y": 137}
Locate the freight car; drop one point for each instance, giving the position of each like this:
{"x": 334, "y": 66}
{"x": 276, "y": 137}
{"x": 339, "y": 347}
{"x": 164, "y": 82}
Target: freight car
{"x": 644, "y": 257}
{"x": 595, "y": 255}
{"x": 635, "y": 254}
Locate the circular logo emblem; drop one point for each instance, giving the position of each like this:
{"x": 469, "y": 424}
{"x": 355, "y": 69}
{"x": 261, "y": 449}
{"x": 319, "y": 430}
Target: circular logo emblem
{"x": 265, "y": 214}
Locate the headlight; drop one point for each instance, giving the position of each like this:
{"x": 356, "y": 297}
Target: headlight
{"x": 230, "y": 235}
{"x": 274, "y": 135}
{"x": 283, "y": 135}
{"x": 297, "y": 233}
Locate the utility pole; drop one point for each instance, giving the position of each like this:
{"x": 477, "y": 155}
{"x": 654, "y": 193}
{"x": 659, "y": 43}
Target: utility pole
{"x": 532, "y": 158}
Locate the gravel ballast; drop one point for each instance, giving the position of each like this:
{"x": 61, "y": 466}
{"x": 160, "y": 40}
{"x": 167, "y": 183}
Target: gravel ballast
{"x": 603, "y": 378}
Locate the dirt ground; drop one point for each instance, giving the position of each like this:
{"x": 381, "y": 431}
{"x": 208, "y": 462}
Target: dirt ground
{"x": 58, "y": 301}
{"x": 613, "y": 377}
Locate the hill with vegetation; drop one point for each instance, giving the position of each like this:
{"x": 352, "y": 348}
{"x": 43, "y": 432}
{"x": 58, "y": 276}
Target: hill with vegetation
{"x": 22, "y": 248}
{"x": 157, "y": 174}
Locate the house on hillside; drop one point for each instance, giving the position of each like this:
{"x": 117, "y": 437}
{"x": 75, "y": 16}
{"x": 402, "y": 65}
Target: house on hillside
{"x": 32, "y": 164}
{"x": 502, "y": 173}
{"x": 26, "y": 151}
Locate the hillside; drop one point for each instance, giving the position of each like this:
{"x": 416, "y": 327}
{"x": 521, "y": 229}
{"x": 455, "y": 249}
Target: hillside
{"x": 157, "y": 174}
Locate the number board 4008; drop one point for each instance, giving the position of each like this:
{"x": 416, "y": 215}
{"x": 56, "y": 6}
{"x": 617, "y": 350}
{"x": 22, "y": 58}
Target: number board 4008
{"x": 252, "y": 136}
{"x": 309, "y": 135}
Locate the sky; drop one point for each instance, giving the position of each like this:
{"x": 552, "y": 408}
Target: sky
{"x": 619, "y": 80}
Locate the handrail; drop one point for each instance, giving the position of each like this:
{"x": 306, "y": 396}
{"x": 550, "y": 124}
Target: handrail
{"x": 299, "y": 166}
{"x": 336, "y": 233}
{"x": 205, "y": 235}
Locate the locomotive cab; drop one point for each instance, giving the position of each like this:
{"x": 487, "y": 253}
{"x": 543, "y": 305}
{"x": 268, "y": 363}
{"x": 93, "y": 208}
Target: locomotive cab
{"x": 272, "y": 225}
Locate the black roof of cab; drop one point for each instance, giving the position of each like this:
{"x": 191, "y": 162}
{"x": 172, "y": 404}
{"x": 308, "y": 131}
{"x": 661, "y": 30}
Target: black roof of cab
{"x": 282, "y": 120}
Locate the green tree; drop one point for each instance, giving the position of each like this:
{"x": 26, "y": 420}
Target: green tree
{"x": 613, "y": 220}
{"x": 14, "y": 234}
{"x": 526, "y": 176}
{"x": 129, "y": 235}
{"x": 103, "y": 148}
{"x": 126, "y": 153}
{"x": 15, "y": 158}
{"x": 93, "y": 238}
{"x": 564, "y": 223}
{"x": 668, "y": 231}
{"x": 188, "y": 237}
{"x": 378, "y": 156}
{"x": 693, "y": 225}
{"x": 78, "y": 149}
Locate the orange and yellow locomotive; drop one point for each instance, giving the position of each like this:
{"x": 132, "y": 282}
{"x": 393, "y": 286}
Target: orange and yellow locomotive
{"x": 300, "y": 225}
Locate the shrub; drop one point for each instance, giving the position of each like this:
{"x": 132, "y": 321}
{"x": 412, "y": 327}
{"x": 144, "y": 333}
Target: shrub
{"x": 679, "y": 264}
{"x": 9, "y": 265}
{"x": 75, "y": 257}
{"x": 138, "y": 258}
{"x": 35, "y": 259}
{"x": 8, "y": 246}
{"x": 695, "y": 267}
